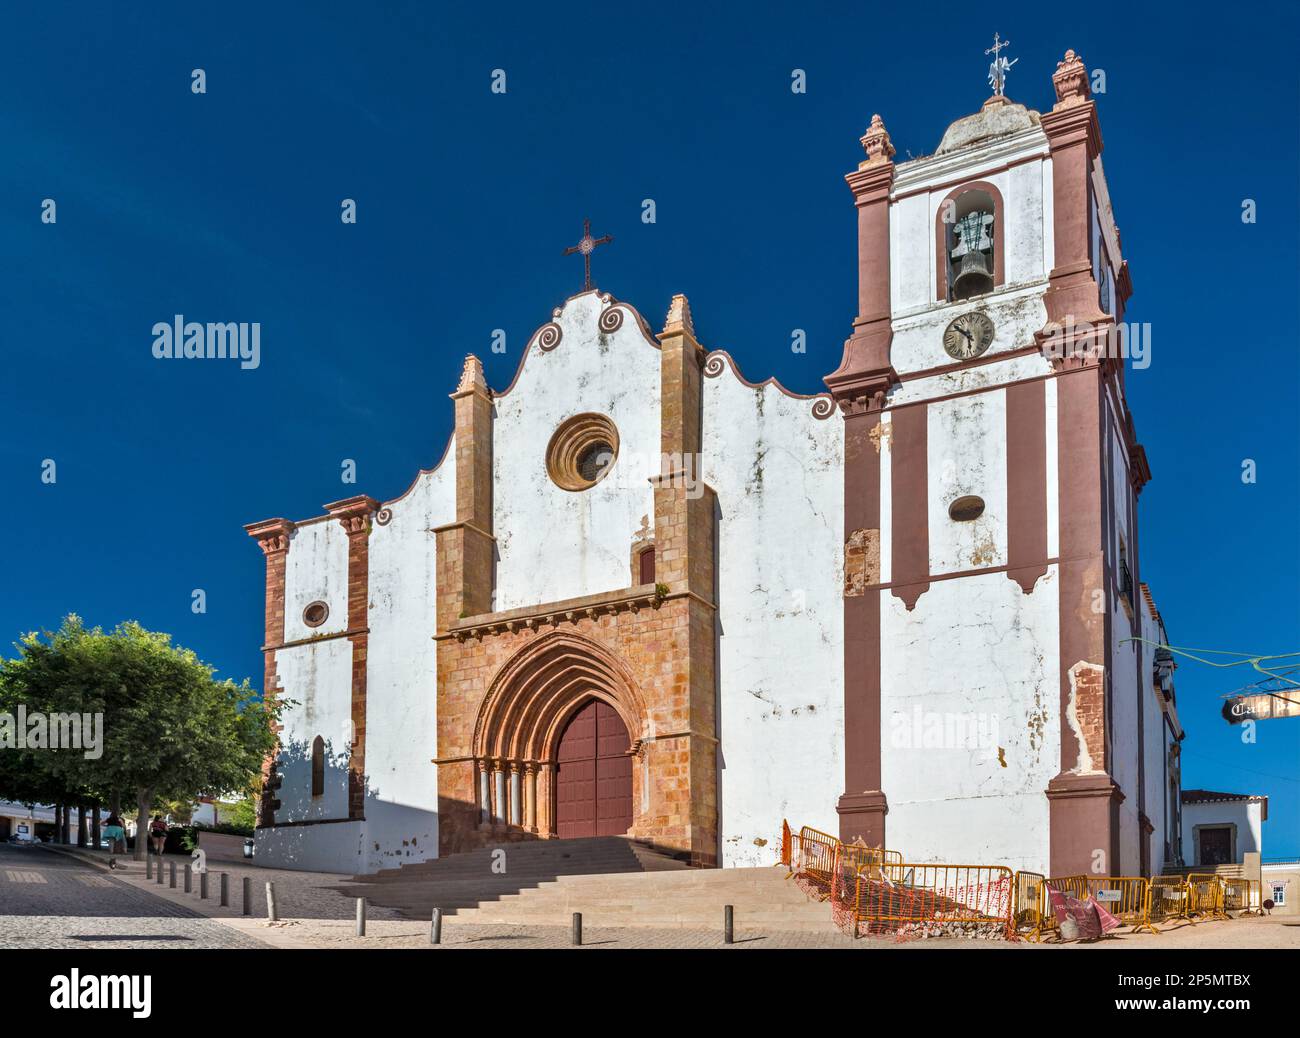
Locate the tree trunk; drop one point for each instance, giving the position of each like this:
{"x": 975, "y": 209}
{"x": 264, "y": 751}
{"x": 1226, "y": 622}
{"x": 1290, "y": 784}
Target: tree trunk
{"x": 58, "y": 823}
{"x": 67, "y": 824}
{"x": 94, "y": 826}
{"x": 144, "y": 801}
{"x": 81, "y": 825}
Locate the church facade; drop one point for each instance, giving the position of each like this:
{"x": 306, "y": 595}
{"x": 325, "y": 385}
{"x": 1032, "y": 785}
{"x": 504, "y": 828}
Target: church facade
{"x": 640, "y": 595}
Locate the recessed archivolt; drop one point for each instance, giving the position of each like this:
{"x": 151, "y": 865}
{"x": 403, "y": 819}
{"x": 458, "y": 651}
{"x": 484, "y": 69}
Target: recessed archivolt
{"x": 538, "y": 689}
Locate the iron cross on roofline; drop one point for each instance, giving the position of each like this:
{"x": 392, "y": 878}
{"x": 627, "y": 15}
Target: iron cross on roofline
{"x": 586, "y": 246}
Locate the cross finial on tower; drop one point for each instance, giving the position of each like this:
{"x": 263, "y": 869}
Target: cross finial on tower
{"x": 1000, "y": 66}
{"x": 586, "y": 246}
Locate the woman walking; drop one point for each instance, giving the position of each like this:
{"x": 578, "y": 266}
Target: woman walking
{"x": 115, "y": 835}
{"x": 158, "y": 834}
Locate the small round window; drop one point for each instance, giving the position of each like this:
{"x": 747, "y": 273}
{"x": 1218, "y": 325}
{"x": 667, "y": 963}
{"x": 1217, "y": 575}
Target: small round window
{"x": 582, "y": 451}
{"x": 315, "y": 614}
{"x": 964, "y": 509}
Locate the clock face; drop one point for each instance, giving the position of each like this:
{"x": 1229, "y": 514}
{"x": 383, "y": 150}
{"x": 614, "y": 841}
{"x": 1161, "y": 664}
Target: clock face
{"x": 968, "y": 336}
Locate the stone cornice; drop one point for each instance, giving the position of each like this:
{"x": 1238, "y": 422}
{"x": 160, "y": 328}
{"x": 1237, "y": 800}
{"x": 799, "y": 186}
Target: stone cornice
{"x": 272, "y": 534}
{"x": 353, "y": 512}
{"x": 643, "y": 596}
{"x": 1073, "y": 125}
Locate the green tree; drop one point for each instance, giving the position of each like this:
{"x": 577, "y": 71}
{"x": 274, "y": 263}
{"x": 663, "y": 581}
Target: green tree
{"x": 171, "y": 729}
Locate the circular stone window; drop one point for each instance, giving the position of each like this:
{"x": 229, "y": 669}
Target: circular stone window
{"x": 315, "y": 614}
{"x": 582, "y": 451}
{"x": 966, "y": 509}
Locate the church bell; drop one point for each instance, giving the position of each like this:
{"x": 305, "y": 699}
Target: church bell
{"x": 973, "y": 274}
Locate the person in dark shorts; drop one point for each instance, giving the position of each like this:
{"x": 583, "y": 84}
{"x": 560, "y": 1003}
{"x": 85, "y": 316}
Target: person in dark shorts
{"x": 158, "y": 834}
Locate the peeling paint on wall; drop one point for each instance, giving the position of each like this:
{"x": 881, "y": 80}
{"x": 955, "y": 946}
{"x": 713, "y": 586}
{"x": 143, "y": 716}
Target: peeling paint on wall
{"x": 861, "y": 562}
{"x": 1086, "y": 679}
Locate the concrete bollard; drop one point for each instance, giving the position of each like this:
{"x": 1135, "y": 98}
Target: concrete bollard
{"x": 248, "y": 896}
{"x": 171, "y": 875}
{"x": 203, "y": 886}
{"x": 225, "y": 890}
{"x": 148, "y": 866}
{"x": 159, "y": 870}
{"x": 435, "y": 927}
{"x": 577, "y": 929}
{"x": 728, "y": 924}
{"x": 271, "y": 914}
{"x": 361, "y": 917}
{"x": 189, "y": 879}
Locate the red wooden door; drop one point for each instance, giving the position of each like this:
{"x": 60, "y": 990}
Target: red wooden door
{"x": 594, "y": 774}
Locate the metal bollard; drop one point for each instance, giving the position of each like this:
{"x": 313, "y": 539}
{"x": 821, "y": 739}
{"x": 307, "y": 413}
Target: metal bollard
{"x": 728, "y": 928}
{"x": 225, "y": 890}
{"x": 435, "y": 927}
{"x": 189, "y": 879}
{"x": 171, "y": 875}
{"x": 361, "y": 917}
{"x": 203, "y": 886}
{"x": 248, "y": 896}
{"x": 270, "y": 903}
{"x": 577, "y": 929}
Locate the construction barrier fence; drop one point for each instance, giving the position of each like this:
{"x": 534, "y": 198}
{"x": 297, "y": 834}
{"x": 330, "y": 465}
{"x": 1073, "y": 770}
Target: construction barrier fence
{"x": 1242, "y": 895}
{"x": 873, "y": 892}
{"x": 1205, "y": 895}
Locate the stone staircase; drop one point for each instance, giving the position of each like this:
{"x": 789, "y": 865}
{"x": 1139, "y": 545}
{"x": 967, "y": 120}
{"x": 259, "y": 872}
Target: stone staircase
{"x": 763, "y": 899}
{"x": 462, "y": 881}
{"x": 612, "y": 881}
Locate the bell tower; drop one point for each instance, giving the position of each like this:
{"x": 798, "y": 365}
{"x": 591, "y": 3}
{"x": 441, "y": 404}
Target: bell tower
{"x": 991, "y": 473}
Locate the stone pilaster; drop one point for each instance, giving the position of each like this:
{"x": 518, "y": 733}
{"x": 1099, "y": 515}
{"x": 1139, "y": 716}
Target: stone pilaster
{"x": 861, "y": 385}
{"x": 354, "y": 514}
{"x": 273, "y": 537}
{"x": 686, "y": 813}
{"x": 465, "y": 548}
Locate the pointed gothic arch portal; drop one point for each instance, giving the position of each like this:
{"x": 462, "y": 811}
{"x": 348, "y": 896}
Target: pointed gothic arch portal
{"x": 557, "y": 740}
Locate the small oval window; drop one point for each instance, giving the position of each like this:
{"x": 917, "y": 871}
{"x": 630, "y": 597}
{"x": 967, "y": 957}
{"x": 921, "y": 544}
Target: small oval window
{"x": 315, "y": 614}
{"x": 964, "y": 509}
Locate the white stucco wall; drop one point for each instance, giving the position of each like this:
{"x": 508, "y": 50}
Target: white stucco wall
{"x": 977, "y": 652}
{"x": 1244, "y": 814}
{"x": 401, "y": 690}
{"x": 778, "y": 475}
{"x": 554, "y": 544}
{"x": 316, "y": 569}
{"x": 966, "y": 447}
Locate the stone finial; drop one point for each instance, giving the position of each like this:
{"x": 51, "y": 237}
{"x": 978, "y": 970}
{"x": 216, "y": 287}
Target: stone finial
{"x": 1071, "y": 82}
{"x": 876, "y": 143}
{"x": 679, "y": 317}
{"x": 471, "y": 377}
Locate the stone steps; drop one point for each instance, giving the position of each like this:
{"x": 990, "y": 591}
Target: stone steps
{"x": 761, "y": 898}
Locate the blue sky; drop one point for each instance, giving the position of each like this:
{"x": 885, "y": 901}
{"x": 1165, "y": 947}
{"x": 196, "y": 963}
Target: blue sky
{"x": 225, "y": 207}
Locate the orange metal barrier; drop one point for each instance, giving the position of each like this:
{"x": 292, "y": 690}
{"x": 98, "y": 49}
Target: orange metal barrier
{"x": 814, "y": 861}
{"x": 1205, "y": 895}
{"x": 787, "y": 845}
{"x": 1169, "y": 900}
{"x": 1242, "y": 895}
{"x": 1128, "y": 898}
{"x": 1028, "y": 904}
{"x": 924, "y": 900}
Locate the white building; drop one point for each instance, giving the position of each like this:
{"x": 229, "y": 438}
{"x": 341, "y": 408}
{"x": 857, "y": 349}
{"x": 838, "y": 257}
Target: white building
{"x": 640, "y": 594}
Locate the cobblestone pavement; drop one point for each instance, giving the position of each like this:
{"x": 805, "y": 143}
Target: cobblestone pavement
{"x": 52, "y": 901}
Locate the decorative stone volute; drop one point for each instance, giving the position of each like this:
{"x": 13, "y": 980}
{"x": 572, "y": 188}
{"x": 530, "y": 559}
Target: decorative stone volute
{"x": 876, "y": 143}
{"x": 1071, "y": 82}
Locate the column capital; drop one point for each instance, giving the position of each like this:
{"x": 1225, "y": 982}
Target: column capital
{"x": 272, "y": 535}
{"x": 353, "y": 512}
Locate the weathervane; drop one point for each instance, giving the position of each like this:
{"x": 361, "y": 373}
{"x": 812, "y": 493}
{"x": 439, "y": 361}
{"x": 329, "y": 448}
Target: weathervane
{"x": 586, "y": 246}
{"x": 999, "y": 67}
